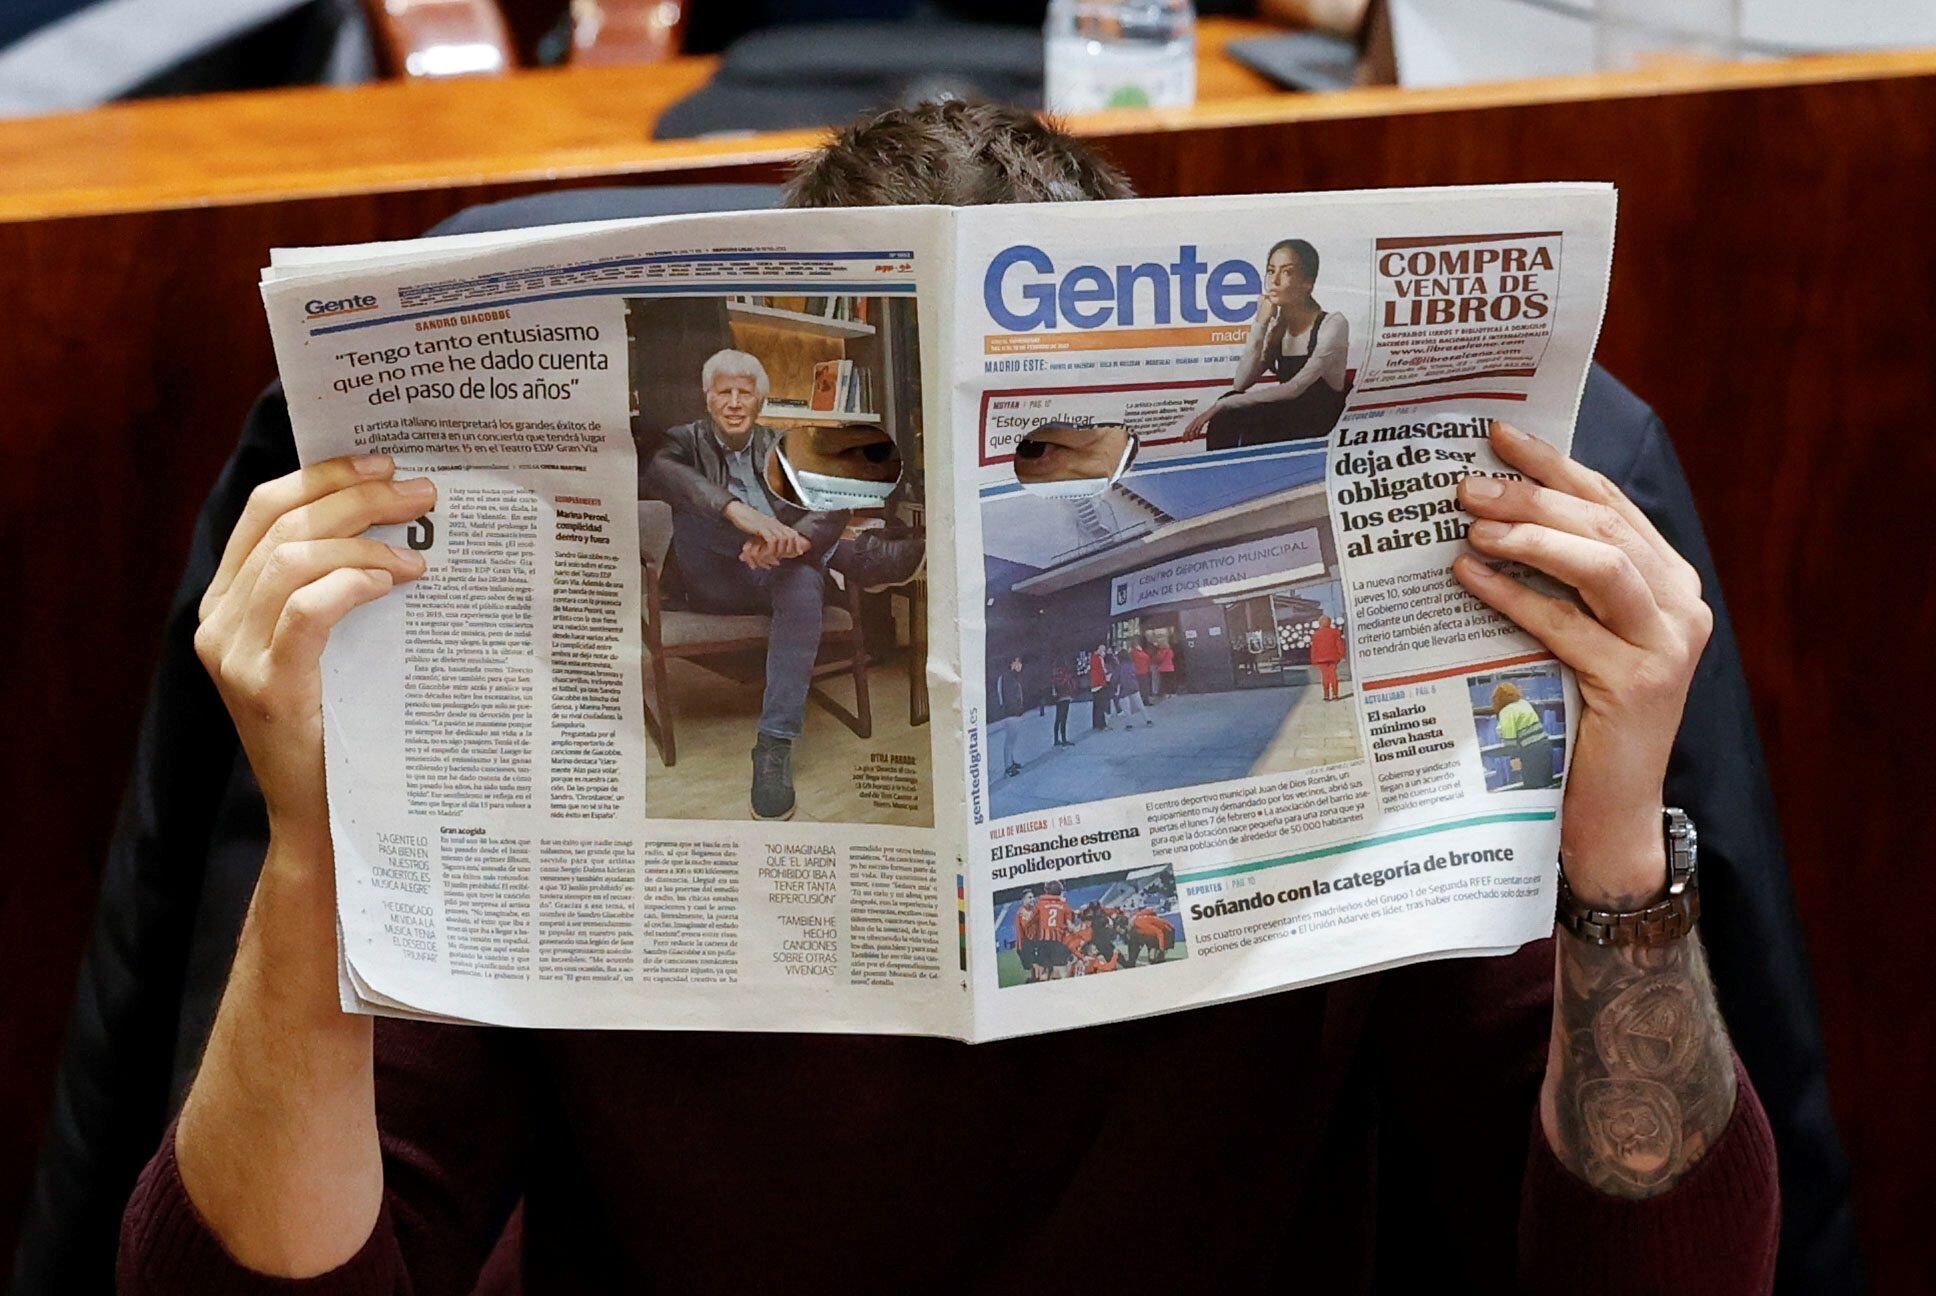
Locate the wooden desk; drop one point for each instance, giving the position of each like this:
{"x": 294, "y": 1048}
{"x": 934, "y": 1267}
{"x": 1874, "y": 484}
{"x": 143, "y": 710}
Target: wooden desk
{"x": 531, "y": 126}
{"x": 1771, "y": 298}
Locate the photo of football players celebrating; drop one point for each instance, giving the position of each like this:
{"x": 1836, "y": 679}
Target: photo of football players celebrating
{"x": 1083, "y": 926}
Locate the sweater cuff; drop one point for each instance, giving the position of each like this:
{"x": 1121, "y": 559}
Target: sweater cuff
{"x": 167, "y": 1247}
{"x": 1713, "y": 1232}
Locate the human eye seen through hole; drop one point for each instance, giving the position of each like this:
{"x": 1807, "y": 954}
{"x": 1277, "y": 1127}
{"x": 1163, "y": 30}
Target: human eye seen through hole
{"x": 843, "y": 467}
{"x": 1060, "y": 459}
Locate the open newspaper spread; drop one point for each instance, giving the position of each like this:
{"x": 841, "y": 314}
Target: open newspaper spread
{"x": 968, "y": 622}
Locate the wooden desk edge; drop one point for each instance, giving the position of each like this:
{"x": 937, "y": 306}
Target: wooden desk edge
{"x": 1398, "y": 101}
{"x": 634, "y": 158}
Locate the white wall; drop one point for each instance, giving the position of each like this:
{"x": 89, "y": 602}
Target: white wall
{"x": 1451, "y": 42}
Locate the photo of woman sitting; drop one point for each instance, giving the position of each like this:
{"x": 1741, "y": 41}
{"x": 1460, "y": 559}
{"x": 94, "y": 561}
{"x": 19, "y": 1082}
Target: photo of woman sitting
{"x": 1291, "y": 382}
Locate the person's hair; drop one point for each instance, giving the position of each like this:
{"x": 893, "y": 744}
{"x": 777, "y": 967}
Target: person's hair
{"x": 954, "y": 153}
{"x": 729, "y": 363}
{"x": 1324, "y": 618}
{"x": 1015, "y": 660}
{"x": 1053, "y": 888}
{"x": 1504, "y": 694}
{"x": 1307, "y": 256}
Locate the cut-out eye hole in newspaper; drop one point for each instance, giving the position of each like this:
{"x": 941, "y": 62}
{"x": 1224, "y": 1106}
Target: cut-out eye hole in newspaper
{"x": 1068, "y": 460}
{"x": 823, "y": 469}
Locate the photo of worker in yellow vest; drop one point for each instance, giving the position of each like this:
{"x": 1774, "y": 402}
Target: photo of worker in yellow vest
{"x": 1521, "y": 718}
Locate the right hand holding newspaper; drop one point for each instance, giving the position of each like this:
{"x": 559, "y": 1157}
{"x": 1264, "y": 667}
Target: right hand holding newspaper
{"x": 913, "y": 620}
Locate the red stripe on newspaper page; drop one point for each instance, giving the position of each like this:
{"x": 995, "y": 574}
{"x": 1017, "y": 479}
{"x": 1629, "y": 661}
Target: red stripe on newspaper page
{"x": 1475, "y": 669}
{"x": 1396, "y": 243}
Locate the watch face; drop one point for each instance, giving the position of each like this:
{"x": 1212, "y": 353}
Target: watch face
{"x": 1682, "y": 843}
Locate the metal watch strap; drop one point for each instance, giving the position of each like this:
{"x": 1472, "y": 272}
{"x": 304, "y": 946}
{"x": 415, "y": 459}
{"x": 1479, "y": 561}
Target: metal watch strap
{"x": 1667, "y": 919}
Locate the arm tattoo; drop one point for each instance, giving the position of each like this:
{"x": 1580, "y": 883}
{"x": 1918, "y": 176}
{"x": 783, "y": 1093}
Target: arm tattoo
{"x": 1641, "y": 1078}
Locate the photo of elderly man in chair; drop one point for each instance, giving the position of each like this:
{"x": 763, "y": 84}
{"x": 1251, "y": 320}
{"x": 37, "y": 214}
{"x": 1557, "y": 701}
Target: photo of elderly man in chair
{"x": 764, "y": 521}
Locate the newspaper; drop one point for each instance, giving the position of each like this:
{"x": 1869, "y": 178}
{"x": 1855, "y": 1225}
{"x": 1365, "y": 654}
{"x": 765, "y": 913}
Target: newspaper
{"x": 1085, "y": 568}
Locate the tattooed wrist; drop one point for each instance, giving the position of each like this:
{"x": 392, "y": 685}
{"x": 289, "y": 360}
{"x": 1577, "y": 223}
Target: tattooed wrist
{"x": 1640, "y": 1079}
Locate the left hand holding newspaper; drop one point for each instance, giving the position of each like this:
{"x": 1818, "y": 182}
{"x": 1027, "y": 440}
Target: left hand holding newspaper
{"x": 280, "y": 1154}
{"x": 298, "y": 562}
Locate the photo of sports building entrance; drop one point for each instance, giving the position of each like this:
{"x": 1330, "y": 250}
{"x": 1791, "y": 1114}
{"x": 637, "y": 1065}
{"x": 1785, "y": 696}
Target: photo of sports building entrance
{"x": 1184, "y": 627}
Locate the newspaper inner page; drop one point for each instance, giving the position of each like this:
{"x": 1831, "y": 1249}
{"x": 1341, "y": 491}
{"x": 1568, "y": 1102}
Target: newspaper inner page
{"x": 1230, "y": 725}
{"x": 648, "y": 745}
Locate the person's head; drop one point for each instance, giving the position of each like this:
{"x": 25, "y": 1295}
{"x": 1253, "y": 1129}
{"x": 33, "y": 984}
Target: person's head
{"x": 1053, "y": 888}
{"x": 1090, "y": 949}
{"x": 1290, "y": 271}
{"x": 1504, "y": 694}
{"x": 954, "y": 153}
{"x": 1015, "y": 664}
{"x": 1324, "y": 622}
{"x": 736, "y": 386}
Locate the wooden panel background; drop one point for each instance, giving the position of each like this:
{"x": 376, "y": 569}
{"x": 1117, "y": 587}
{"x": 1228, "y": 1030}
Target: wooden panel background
{"x": 1772, "y": 298}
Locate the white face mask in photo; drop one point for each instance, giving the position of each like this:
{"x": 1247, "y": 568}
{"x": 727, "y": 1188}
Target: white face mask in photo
{"x": 1068, "y": 461}
{"x": 827, "y": 469}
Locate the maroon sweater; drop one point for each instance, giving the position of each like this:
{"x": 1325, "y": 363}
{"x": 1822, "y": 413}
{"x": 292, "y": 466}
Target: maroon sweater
{"x": 1374, "y": 1135}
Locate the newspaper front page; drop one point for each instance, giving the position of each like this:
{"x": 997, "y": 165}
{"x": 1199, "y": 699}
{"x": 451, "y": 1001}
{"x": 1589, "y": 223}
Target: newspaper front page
{"x": 1240, "y": 805}
{"x": 731, "y": 494}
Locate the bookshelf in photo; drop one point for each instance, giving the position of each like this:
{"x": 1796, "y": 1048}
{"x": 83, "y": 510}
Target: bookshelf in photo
{"x": 823, "y": 354}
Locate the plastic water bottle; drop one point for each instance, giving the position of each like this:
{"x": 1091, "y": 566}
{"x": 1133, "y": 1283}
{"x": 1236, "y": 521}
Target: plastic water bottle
{"x": 1120, "y": 54}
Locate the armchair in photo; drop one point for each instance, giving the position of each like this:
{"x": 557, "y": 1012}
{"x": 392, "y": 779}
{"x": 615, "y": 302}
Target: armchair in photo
{"x": 712, "y": 639}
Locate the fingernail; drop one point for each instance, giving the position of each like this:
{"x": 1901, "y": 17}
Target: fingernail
{"x": 418, "y": 488}
{"x": 1484, "y": 488}
{"x": 1487, "y": 529}
{"x": 370, "y": 465}
{"x": 1473, "y": 567}
{"x": 408, "y": 557}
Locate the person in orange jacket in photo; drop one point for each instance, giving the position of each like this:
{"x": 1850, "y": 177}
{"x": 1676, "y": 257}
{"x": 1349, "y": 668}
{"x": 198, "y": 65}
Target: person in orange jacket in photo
{"x": 1327, "y": 650}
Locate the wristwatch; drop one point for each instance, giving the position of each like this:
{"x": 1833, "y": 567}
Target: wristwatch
{"x": 1666, "y": 920}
